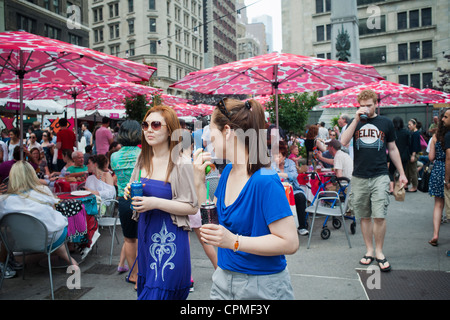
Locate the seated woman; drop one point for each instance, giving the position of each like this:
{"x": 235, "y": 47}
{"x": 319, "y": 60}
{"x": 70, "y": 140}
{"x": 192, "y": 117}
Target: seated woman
{"x": 101, "y": 182}
{"x": 287, "y": 171}
{"x": 67, "y": 158}
{"x": 25, "y": 194}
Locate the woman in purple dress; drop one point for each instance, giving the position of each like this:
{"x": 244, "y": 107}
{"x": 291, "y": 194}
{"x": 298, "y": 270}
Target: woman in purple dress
{"x": 164, "y": 268}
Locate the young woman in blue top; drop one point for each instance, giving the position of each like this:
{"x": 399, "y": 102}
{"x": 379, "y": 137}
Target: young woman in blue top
{"x": 256, "y": 225}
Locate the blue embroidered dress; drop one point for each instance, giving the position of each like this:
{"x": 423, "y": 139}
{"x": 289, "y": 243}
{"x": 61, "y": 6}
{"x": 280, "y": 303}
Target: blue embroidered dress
{"x": 436, "y": 183}
{"x": 164, "y": 265}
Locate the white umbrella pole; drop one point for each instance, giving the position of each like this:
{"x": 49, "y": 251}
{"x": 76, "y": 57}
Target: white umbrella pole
{"x": 21, "y": 75}
{"x": 76, "y": 123}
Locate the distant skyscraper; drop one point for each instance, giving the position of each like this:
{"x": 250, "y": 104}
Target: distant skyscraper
{"x": 267, "y": 21}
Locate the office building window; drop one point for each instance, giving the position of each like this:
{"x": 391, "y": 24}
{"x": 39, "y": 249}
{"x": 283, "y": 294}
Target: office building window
{"x": 130, "y": 5}
{"x": 98, "y": 14}
{"x": 98, "y": 35}
{"x": 414, "y": 80}
{"x": 74, "y": 39}
{"x": 402, "y": 20}
{"x": 152, "y": 22}
{"x": 402, "y": 52}
{"x": 323, "y": 6}
{"x": 153, "y": 46}
{"x": 414, "y": 50}
{"x": 371, "y": 29}
{"x": 414, "y": 19}
{"x": 373, "y": 55}
{"x": 320, "y": 31}
{"x": 152, "y": 4}
{"x": 52, "y": 32}
{"x": 26, "y": 24}
{"x": 114, "y": 10}
{"x": 131, "y": 49}
{"x": 427, "y": 80}
{"x": 114, "y": 31}
{"x": 427, "y": 49}
{"x": 403, "y": 79}
{"x": 114, "y": 50}
{"x": 426, "y": 17}
{"x": 131, "y": 26}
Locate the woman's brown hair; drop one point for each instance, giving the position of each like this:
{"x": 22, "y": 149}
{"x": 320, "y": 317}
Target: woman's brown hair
{"x": 312, "y": 133}
{"x": 442, "y": 129}
{"x": 173, "y": 124}
{"x": 245, "y": 115}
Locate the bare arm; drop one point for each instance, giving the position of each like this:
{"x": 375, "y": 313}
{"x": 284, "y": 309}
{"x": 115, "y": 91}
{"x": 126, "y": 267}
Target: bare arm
{"x": 283, "y": 238}
{"x": 447, "y": 167}
{"x": 432, "y": 153}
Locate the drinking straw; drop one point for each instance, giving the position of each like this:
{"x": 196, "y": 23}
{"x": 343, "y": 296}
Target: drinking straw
{"x": 207, "y": 191}
{"x": 139, "y": 175}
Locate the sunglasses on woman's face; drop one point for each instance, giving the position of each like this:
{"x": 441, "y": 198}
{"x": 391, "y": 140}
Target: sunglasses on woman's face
{"x": 156, "y": 125}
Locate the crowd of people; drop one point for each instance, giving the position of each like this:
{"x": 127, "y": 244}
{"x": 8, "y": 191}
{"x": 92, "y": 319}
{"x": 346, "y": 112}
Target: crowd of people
{"x": 256, "y": 226}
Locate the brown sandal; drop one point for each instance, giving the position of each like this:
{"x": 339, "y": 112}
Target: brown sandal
{"x": 433, "y": 242}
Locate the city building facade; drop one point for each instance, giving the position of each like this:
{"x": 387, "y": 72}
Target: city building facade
{"x": 406, "y": 41}
{"x": 167, "y": 34}
{"x": 220, "y": 32}
{"x": 58, "y": 19}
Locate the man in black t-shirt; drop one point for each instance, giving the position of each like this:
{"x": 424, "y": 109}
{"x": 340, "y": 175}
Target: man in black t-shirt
{"x": 372, "y": 136}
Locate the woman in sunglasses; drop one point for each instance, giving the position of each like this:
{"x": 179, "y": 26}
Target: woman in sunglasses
{"x": 164, "y": 266}
{"x": 256, "y": 226}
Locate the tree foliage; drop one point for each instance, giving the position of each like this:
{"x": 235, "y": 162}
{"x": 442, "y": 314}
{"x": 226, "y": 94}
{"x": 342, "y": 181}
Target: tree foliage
{"x": 293, "y": 110}
{"x": 444, "y": 82}
{"x": 136, "y": 107}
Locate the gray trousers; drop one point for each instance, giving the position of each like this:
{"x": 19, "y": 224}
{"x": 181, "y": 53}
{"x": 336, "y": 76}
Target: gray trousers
{"x": 229, "y": 285}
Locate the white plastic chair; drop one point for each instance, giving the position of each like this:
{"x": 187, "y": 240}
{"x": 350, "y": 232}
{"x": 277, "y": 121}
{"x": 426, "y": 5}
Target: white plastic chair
{"x": 21, "y": 232}
{"x": 109, "y": 217}
{"x": 338, "y": 210}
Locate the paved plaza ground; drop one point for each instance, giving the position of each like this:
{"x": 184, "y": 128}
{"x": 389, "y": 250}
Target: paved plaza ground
{"x": 329, "y": 270}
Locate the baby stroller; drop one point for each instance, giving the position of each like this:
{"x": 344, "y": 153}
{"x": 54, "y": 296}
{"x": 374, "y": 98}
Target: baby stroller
{"x": 330, "y": 203}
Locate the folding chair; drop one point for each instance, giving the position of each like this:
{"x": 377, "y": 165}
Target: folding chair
{"x": 337, "y": 210}
{"x": 21, "y": 232}
{"x": 109, "y": 217}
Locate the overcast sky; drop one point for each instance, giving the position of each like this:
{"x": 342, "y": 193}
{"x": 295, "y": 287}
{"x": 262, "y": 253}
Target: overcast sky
{"x": 271, "y": 8}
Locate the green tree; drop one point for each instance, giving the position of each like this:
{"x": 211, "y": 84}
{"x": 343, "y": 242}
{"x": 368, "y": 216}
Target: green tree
{"x": 136, "y": 107}
{"x": 293, "y": 110}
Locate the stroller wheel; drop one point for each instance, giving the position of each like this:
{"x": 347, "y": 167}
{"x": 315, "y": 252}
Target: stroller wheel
{"x": 337, "y": 223}
{"x": 325, "y": 234}
{"x": 353, "y": 227}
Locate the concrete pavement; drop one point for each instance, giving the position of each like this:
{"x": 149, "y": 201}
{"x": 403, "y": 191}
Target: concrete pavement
{"x": 326, "y": 271}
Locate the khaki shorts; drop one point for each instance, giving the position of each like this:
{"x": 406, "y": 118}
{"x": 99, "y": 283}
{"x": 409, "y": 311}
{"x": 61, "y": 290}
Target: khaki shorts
{"x": 370, "y": 196}
{"x": 229, "y": 285}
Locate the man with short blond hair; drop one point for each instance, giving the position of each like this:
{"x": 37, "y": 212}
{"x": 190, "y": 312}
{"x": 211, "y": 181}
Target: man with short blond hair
{"x": 372, "y": 135}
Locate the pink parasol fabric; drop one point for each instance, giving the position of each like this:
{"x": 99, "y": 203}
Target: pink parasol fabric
{"x": 292, "y": 73}
{"x": 116, "y": 91}
{"x": 45, "y": 60}
{"x": 389, "y": 93}
{"x": 34, "y": 59}
{"x": 184, "y": 110}
{"x": 275, "y": 73}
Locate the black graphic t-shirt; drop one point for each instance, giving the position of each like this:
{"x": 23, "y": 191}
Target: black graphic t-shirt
{"x": 370, "y": 144}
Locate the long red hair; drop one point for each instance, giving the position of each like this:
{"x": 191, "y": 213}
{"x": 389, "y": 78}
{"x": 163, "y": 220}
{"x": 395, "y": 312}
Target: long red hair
{"x": 172, "y": 122}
